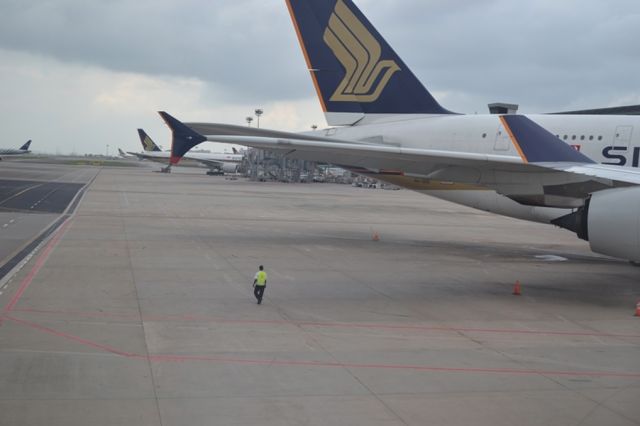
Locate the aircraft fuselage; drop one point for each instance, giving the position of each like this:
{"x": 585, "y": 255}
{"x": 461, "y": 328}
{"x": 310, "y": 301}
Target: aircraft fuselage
{"x": 613, "y": 140}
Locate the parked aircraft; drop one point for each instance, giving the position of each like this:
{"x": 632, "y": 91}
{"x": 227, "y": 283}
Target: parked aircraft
{"x": 123, "y": 154}
{"x": 217, "y": 163}
{"x": 148, "y": 144}
{"x": 535, "y": 167}
{"x": 24, "y": 149}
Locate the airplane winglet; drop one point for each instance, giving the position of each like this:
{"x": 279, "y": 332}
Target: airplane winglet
{"x": 537, "y": 145}
{"x": 183, "y": 138}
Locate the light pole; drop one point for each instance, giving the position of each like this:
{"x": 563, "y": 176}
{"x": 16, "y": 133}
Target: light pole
{"x": 258, "y": 112}
{"x": 249, "y": 120}
{"x": 107, "y": 150}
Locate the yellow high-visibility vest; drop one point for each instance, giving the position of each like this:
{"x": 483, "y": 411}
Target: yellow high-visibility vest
{"x": 261, "y": 278}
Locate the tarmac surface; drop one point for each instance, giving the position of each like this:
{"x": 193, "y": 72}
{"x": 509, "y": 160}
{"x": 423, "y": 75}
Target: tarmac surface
{"x": 139, "y": 310}
{"x": 32, "y": 199}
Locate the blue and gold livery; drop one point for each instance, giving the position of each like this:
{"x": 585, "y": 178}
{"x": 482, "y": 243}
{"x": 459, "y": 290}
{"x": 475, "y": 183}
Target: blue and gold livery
{"x": 366, "y": 74}
{"x": 26, "y": 146}
{"x": 147, "y": 143}
{"x": 537, "y": 145}
{"x": 353, "y": 68}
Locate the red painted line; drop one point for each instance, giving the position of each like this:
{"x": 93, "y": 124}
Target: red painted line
{"x": 467, "y": 329}
{"x": 183, "y": 358}
{"x": 230, "y": 360}
{"x": 190, "y": 318}
{"x": 76, "y": 339}
{"x": 38, "y": 265}
{"x": 80, "y": 314}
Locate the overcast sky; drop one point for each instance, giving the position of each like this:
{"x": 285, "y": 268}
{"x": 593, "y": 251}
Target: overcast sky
{"x": 76, "y": 75}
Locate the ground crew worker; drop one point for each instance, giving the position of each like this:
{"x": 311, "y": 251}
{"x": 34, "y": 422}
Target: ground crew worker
{"x": 259, "y": 284}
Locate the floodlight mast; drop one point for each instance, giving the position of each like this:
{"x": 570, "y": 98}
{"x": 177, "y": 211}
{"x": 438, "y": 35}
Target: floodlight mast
{"x": 258, "y": 113}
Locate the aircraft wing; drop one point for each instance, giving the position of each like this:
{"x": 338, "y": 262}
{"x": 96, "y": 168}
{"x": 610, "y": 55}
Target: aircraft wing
{"x": 616, "y": 174}
{"x": 188, "y": 135}
{"x": 547, "y": 172}
{"x": 531, "y": 183}
{"x": 356, "y": 153}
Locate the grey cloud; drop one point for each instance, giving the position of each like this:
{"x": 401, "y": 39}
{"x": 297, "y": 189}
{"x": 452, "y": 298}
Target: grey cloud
{"x": 544, "y": 54}
{"x": 243, "y": 48}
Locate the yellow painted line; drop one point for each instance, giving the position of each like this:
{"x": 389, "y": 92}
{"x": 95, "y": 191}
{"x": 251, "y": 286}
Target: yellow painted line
{"x": 420, "y": 184}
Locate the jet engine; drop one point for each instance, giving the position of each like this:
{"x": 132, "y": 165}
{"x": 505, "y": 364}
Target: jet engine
{"x": 610, "y": 221}
{"x": 229, "y": 167}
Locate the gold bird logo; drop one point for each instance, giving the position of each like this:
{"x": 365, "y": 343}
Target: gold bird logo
{"x": 359, "y": 53}
{"x": 148, "y": 144}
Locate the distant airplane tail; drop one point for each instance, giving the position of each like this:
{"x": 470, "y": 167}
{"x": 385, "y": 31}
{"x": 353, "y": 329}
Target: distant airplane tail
{"x": 26, "y": 146}
{"x": 147, "y": 143}
{"x": 122, "y": 153}
{"x": 354, "y": 70}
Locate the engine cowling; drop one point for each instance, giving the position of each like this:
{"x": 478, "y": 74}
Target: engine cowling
{"x": 610, "y": 221}
{"x": 229, "y": 167}
{"x": 613, "y": 223}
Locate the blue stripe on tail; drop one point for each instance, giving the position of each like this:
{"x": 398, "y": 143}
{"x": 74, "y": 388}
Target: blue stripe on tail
{"x": 353, "y": 67}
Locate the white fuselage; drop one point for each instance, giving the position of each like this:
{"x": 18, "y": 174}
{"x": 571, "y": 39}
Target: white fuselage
{"x": 13, "y": 151}
{"x": 225, "y": 158}
{"x": 197, "y": 157}
{"x": 605, "y": 139}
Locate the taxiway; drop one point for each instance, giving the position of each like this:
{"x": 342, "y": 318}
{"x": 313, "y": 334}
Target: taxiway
{"x": 139, "y": 310}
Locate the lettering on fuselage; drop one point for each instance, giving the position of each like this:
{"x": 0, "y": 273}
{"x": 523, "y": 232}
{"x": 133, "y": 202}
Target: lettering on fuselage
{"x": 622, "y": 155}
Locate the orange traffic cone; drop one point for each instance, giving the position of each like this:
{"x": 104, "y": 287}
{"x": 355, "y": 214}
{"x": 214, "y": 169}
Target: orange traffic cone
{"x": 638, "y": 309}
{"x": 375, "y": 236}
{"x": 516, "y": 289}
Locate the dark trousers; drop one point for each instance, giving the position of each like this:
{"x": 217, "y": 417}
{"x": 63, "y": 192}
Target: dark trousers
{"x": 258, "y": 291}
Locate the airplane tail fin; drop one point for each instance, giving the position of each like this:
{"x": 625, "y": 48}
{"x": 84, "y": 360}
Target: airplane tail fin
{"x": 26, "y": 146}
{"x": 182, "y": 137}
{"x": 354, "y": 70}
{"x": 147, "y": 143}
{"x": 235, "y": 151}
{"x": 122, "y": 153}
